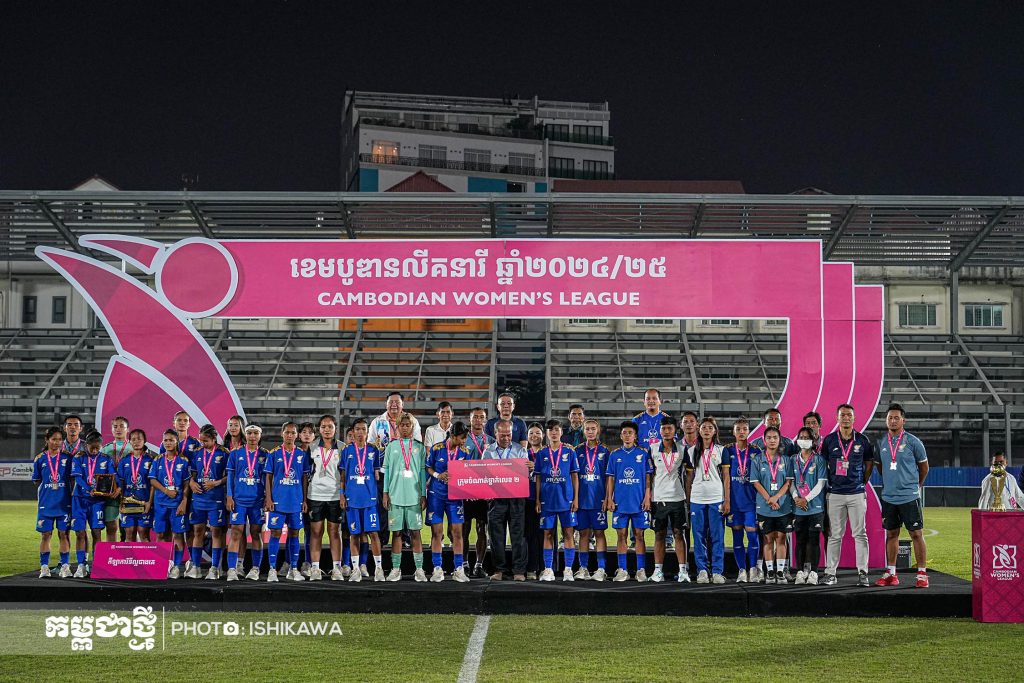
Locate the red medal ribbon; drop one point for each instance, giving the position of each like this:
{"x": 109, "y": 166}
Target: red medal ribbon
{"x": 169, "y": 469}
{"x": 53, "y": 464}
{"x": 591, "y": 458}
{"x": 250, "y": 463}
{"x": 706, "y": 461}
{"x": 207, "y": 461}
{"x": 479, "y": 448}
{"x": 664, "y": 458}
{"x": 361, "y": 459}
{"x": 406, "y": 456}
{"x": 287, "y": 461}
{"x": 774, "y": 470}
{"x": 326, "y": 460}
{"x": 553, "y": 458}
{"x": 846, "y": 451}
{"x": 803, "y": 469}
{"x": 743, "y": 457}
{"x": 892, "y": 448}
{"x": 91, "y": 466}
{"x": 135, "y": 469}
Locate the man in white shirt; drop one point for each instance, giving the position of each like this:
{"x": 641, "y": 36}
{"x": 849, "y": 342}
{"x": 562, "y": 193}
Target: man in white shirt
{"x": 507, "y": 513}
{"x": 435, "y": 434}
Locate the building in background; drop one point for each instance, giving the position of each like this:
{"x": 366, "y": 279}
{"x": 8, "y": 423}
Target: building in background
{"x": 393, "y": 141}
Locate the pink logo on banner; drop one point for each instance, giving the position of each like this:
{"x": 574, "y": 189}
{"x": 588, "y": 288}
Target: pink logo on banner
{"x": 835, "y": 328}
{"x": 143, "y": 561}
{"x": 487, "y": 479}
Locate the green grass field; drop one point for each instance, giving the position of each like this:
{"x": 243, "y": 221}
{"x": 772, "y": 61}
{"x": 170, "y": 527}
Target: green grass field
{"x": 536, "y": 648}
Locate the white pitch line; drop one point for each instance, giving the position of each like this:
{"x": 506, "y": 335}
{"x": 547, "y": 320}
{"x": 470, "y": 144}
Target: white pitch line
{"x": 930, "y": 532}
{"x": 474, "y": 650}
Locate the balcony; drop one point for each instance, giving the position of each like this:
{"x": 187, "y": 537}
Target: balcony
{"x": 530, "y": 133}
{"x": 424, "y": 162}
{"x": 580, "y": 174}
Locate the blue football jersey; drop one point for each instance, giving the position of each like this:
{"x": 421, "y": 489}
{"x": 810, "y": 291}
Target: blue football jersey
{"x": 53, "y": 475}
{"x": 209, "y": 466}
{"x": 356, "y": 463}
{"x": 772, "y": 475}
{"x": 172, "y": 473}
{"x": 628, "y": 469}
{"x": 133, "y": 475}
{"x": 555, "y": 478}
{"x": 437, "y": 460}
{"x": 592, "y": 463}
{"x": 648, "y": 428}
{"x": 287, "y": 470}
{"x": 84, "y": 468}
{"x": 476, "y": 445}
{"x": 742, "y": 496}
{"x": 245, "y": 470}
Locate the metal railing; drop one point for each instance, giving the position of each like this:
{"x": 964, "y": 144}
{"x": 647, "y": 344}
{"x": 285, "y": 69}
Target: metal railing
{"x": 526, "y": 133}
{"x": 426, "y": 162}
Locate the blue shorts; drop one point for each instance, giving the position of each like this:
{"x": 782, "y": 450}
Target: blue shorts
{"x": 216, "y": 517}
{"x": 362, "y": 520}
{"x": 253, "y": 514}
{"x": 45, "y": 523}
{"x": 745, "y": 518}
{"x": 438, "y": 507}
{"x": 566, "y": 519}
{"x": 167, "y": 519}
{"x": 279, "y": 519}
{"x": 591, "y": 519}
{"x": 142, "y": 521}
{"x": 86, "y": 512}
{"x": 639, "y": 520}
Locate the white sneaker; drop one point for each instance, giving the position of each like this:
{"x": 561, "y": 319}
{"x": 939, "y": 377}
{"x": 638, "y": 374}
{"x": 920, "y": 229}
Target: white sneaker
{"x": 65, "y": 571}
{"x": 755, "y": 575}
{"x": 567, "y": 575}
{"x": 419, "y": 576}
{"x": 284, "y": 568}
{"x": 620, "y": 575}
{"x": 272, "y": 576}
{"x": 378, "y": 574}
{"x": 336, "y": 574}
{"x": 582, "y": 574}
{"x": 240, "y": 568}
{"x": 684, "y": 576}
{"x": 212, "y": 575}
{"x": 717, "y": 578}
{"x": 437, "y": 576}
{"x": 812, "y": 578}
{"x": 364, "y": 571}
{"x": 232, "y": 574}
{"x": 742, "y": 576}
{"x": 354, "y": 577}
{"x": 254, "y": 574}
{"x": 296, "y": 575}
{"x": 394, "y": 575}
{"x": 547, "y": 575}
{"x": 702, "y": 577}
{"x": 193, "y": 573}
{"x": 658, "y": 576}
{"x": 460, "y": 575}
{"x": 188, "y": 563}
{"x": 316, "y": 574}
{"x": 174, "y": 572}
{"x": 641, "y": 575}
{"x": 599, "y": 575}
{"x": 801, "y": 578}
{"x": 80, "y": 572}
{"x": 44, "y": 572}
{"x": 780, "y": 577}
{"x": 305, "y": 569}
{"x": 346, "y": 571}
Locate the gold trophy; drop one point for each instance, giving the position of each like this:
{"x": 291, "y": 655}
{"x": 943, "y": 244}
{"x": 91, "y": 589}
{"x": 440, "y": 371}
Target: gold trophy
{"x": 998, "y": 484}
{"x": 132, "y": 506}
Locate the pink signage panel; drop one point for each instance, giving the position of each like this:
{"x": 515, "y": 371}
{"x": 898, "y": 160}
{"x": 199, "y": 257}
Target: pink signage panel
{"x": 131, "y": 560}
{"x": 487, "y": 479}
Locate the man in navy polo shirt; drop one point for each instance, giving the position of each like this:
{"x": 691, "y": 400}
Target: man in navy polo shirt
{"x": 903, "y": 462}
{"x": 850, "y": 457}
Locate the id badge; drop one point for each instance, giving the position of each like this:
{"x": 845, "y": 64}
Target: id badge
{"x": 892, "y": 466}
{"x": 841, "y": 467}
{"x": 407, "y": 474}
{"x": 805, "y": 490}
{"x": 361, "y": 480}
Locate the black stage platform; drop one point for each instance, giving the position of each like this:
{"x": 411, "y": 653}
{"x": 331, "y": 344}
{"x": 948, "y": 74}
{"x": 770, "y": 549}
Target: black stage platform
{"x": 948, "y": 596}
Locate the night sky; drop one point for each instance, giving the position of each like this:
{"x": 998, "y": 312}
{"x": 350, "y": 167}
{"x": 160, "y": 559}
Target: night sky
{"x": 920, "y": 100}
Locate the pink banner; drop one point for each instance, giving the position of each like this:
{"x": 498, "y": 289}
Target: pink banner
{"x": 487, "y": 479}
{"x": 143, "y": 561}
{"x": 163, "y": 364}
{"x": 997, "y": 565}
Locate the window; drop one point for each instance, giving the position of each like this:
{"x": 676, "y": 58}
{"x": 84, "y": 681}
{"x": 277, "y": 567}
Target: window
{"x": 515, "y": 187}
{"x": 720, "y": 322}
{"x": 59, "y": 312}
{"x": 588, "y": 322}
{"x": 521, "y": 161}
{"x": 434, "y": 152}
{"x": 653, "y": 322}
{"x": 779, "y": 322}
{"x": 588, "y": 134}
{"x": 477, "y": 159}
{"x": 983, "y": 315}
{"x": 384, "y": 151}
{"x": 556, "y": 131}
{"x": 445, "y": 321}
{"x": 561, "y": 167}
{"x": 28, "y": 310}
{"x": 597, "y": 170}
{"x": 425, "y": 121}
{"x": 819, "y": 221}
{"x": 917, "y": 315}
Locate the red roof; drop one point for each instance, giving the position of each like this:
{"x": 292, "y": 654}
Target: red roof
{"x": 420, "y": 182}
{"x": 651, "y": 186}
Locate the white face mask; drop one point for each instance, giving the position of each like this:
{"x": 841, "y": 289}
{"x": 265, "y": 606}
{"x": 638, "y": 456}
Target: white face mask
{"x": 804, "y": 444}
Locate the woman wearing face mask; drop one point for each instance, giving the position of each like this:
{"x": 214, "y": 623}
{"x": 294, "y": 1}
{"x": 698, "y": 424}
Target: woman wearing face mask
{"x": 809, "y": 476}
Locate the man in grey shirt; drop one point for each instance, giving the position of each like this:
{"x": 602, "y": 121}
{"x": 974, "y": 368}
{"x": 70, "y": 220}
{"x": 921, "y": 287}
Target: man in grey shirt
{"x": 507, "y": 513}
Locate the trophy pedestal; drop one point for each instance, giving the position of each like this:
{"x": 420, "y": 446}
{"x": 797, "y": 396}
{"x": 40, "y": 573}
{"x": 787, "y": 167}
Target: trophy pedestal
{"x": 997, "y": 566}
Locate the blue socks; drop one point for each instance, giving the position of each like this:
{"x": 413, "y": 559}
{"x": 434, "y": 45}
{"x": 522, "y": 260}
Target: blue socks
{"x": 216, "y": 554}
{"x": 753, "y": 548}
{"x": 306, "y": 539}
{"x": 570, "y": 557}
{"x": 196, "y": 554}
{"x": 622, "y": 560}
{"x": 458, "y": 561}
{"x": 44, "y": 559}
{"x": 293, "y": 550}
{"x": 584, "y": 559}
{"x": 257, "y": 558}
{"x": 641, "y": 561}
{"x": 274, "y": 549}
{"x": 549, "y": 557}
{"x": 364, "y": 552}
{"x": 232, "y": 560}
{"x": 436, "y": 559}
{"x": 739, "y": 553}
{"x": 346, "y": 553}
{"x": 65, "y": 557}
{"x": 600, "y": 559}
{"x": 179, "y": 554}
{"x": 80, "y": 556}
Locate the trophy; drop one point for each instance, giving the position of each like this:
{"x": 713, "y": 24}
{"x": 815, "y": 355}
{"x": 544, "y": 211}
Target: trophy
{"x": 104, "y": 483}
{"x": 131, "y": 505}
{"x": 998, "y": 484}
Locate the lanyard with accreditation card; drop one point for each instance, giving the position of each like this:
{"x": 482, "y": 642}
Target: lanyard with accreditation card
{"x": 843, "y": 464}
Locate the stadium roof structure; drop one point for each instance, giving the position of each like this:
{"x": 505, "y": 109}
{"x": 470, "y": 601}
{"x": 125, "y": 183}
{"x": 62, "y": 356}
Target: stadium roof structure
{"x": 941, "y": 231}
